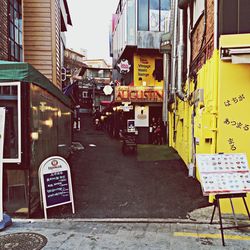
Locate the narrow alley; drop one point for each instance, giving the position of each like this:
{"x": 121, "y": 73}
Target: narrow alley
{"x": 108, "y": 184}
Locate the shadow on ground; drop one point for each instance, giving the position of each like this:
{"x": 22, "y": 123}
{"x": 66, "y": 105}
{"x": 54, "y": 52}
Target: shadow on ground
{"x": 108, "y": 184}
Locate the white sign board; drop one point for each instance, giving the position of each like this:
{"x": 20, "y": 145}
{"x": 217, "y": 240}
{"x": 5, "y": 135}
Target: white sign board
{"x": 107, "y": 90}
{"x": 2, "y": 123}
{"x": 55, "y": 183}
{"x": 223, "y": 173}
{"x": 141, "y": 116}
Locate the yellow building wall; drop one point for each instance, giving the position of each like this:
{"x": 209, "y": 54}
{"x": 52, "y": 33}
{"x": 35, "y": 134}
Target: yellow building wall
{"x": 221, "y": 102}
{"x": 233, "y": 106}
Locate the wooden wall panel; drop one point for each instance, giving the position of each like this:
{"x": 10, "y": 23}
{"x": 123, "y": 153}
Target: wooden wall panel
{"x": 41, "y": 28}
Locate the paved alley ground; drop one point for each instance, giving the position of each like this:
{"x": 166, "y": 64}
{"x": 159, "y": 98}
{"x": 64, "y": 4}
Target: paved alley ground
{"x": 108, "y": 184}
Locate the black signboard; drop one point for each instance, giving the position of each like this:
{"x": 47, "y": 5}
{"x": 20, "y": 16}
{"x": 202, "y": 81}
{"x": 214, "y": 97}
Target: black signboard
{"x": 56, "y": 188}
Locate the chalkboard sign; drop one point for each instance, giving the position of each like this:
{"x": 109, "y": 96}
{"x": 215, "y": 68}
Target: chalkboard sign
{"x": 56, "y": 188}
{"x": 55, "y": 183}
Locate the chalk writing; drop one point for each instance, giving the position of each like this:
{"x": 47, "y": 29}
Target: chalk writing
{"x": 57, "y": 188}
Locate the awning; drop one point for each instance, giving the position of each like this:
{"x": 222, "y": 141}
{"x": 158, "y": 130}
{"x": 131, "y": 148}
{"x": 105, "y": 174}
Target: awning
{"x": 24, "y": 72}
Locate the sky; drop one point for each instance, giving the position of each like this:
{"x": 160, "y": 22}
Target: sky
{"x": 90, "y": 29}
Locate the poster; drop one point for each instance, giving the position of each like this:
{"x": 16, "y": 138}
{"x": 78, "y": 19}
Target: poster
{"x": 131, "y": 126}
{"x": 223, "y": 173}
{"x": 141, "y": 116}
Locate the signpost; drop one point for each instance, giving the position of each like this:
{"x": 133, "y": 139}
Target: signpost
{"x": 5, "y": 219}
{"x": 55, "y": 183}
{"x": 226, "y": 176}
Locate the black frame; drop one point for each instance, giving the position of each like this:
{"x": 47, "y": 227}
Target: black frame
{"x": 15, "y": 30}
{"x": 160, "y": 4}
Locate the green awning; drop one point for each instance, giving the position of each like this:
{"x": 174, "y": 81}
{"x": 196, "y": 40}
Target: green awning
{"x": 24, "y": 72}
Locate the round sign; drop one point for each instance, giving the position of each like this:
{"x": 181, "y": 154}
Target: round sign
{"x": 107, "y": 90}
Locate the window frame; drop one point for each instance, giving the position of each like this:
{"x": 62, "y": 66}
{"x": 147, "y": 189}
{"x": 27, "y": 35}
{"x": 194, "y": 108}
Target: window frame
{"x": 18, "y": 94}
{"x": 15, "y": 30}
{"x": 160, "y": 9}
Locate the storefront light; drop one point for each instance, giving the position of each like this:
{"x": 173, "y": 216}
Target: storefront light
{"x": 34, "y": 136}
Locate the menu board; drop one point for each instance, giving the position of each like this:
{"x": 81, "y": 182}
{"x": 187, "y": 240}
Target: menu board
{"x": 223, "y": 173}
{"x": 56, "y": 188}
{"x": 55, "y": 183}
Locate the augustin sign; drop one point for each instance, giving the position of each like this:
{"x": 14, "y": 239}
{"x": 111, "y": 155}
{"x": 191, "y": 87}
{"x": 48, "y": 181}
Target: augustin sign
{"x": 138, "y": 94}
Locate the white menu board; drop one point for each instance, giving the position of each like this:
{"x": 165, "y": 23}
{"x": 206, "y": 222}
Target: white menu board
{"x": 223, "y": 173}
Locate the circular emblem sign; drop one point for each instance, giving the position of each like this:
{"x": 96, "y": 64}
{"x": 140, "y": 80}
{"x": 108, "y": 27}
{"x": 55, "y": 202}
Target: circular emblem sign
{"x": 124, "y": 66}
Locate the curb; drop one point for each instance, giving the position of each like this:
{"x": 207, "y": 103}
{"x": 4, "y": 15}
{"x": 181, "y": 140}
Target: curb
{"x": 116, "y": 220}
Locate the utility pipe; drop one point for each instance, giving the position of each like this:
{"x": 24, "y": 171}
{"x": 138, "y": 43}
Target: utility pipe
{"x": 175, "y": 30}
{"x": 216, "y": 24}
{"x": 166, "y": 89}
{"x": 179, "y": 91}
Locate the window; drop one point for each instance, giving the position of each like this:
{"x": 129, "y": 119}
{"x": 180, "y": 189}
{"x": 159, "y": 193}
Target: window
{"x": 234, "y": 16}
{"x": 198, "y": 8}
{"x": 15, "y": 31}
{"x": 84, "y": 94}
{"x": 10, "y": 98}
{"x": 143, "y": 14}
{"x": 152, "y": 14}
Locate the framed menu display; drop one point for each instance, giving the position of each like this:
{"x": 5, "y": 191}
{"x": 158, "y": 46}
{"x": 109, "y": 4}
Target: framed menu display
{"x": 223, "y": 173}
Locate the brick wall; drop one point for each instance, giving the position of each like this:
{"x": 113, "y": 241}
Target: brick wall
{"x": 3, "y": 30}
{"x": 201, "y": 54}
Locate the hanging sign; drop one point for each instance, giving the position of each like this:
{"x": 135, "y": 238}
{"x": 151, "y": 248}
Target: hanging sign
{"x": 123, "y": 66}
{"x": 2, "y": 122}
{"x": 55, "y": 183}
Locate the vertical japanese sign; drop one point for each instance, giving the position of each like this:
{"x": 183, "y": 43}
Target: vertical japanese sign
{"x": 55, "y": 183}
{"x": 2, "y": 123}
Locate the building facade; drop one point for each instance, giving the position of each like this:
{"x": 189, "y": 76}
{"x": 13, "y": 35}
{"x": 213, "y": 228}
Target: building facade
{"x": 207, "y": 68}
{"x": 96, "y": 74}
{"x": 33, "y": 32}
{"x": 33, "y": 39}
{"x": 137, "y": 27}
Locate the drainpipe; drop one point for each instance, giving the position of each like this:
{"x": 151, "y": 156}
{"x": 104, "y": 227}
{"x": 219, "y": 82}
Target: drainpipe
{"x": 215, "y": 24}
{"x": 174, "y": 28}
{"x": 166, "y": 89}
{"x": 179, "y": 91}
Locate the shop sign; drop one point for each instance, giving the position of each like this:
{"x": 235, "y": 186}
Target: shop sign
{"x": 138, "y": 94}
{"x": 127, "y": 108}
{"x": 141, "y": 116}
{"x": 55, "y": 183}
{"x": 124, "y": 66}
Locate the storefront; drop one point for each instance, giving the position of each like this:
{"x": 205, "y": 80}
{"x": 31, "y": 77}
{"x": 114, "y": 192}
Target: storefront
{"x": 38, "y": 124}
{"x": 142, "y": 104}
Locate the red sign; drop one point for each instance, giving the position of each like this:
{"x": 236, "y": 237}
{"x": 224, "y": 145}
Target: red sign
{"x": 138, "y": 94}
